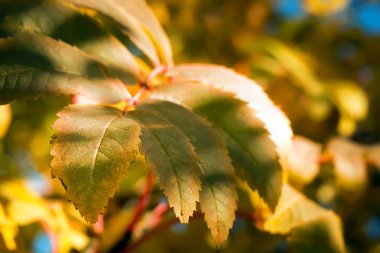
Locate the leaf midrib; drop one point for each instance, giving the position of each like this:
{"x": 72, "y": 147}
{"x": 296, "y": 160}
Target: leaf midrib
{"x": 96, "y": 153}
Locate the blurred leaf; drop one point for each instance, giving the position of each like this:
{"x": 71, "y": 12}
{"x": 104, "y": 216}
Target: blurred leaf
{"x": 322, "y": 235}
{"x": 247, "y": 90}
{"x": 69, "y": 234}
{"x": 142, "y": 12}
{"x": 218, "y": 195}
{"x": 20, "y": 199}
{"x": 351, "y": 101}
{"x": 62, "y": 22}
{"x": 115, "y": 225}
{"x": 34, "y": 65}
{"x": 26, "y": 207}
{"x": 373, "y": 155}
{"x": 5, "y": 119}
{"x": 301, "y": 218}
{"x": 295, "y": 62}
{"x": 8, "y": 229}
{"x": 349, "y": 164}
{"x": 322, "y": 7}
{"x": 131, "y": 25}
{"x": 252, "y": 152}
{"x": 293, "y": 210}
{"x": 169, "y": 153}
{"x": 303, "y": 160}
{"x": 92, "y": 150}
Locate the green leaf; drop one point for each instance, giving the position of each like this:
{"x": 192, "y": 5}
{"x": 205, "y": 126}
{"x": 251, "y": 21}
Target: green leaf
{"x": 62, "y": 22}
{"x": 274, "y": 119}
{"x": 33, "y": 65}
{"x": 131, "y": 26}
{"x": 218, "y": 195}
{"x": 252, "y": 152}
{"x": 92, "y": 150}
{"x": 170, "y": 155}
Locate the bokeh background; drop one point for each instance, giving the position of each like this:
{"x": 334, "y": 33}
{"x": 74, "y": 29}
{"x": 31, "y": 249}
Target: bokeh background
{"x": 319, "y": 60}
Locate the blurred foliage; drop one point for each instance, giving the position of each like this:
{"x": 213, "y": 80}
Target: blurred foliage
{"x": 322, "y": 69}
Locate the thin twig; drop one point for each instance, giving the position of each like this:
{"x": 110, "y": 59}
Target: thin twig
{"x": 139, "y": 211}
{"x": 52, "y": 236}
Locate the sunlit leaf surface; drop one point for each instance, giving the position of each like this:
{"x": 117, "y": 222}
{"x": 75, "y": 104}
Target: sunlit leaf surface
{"x": 252, "y": 152}
{"x": 92, "y": 150}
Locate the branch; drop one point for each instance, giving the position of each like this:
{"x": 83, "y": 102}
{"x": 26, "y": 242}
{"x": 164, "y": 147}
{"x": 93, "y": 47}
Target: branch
{"x": 139, "y": 211}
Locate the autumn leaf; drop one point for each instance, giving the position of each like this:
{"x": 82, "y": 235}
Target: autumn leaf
{"x": 253, "y": 153}
{"x": 130, "y": 24}
{"x": 304, "y": 160}
{"x": 243, "y": 88}
{"x": 349, "y": 165}
{"x": 170, "y": 155}
{"x": 311, "y": 227}
{"x": 218, "y": 195}
{"x": 34, "y": 65}
{"x": 92, "y": 150}
{"x": 63, "y": 22}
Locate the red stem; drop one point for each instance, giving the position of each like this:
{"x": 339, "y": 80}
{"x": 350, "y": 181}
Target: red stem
{"x": 50, "y": 233}
{"x": 143, "y": 202}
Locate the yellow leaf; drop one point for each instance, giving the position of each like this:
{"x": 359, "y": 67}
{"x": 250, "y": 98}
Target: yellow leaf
{"x": 373, "y": 155}
{"x": 350, "y": 99}
{"x": 321, "y": 235}
{"x": 293, "y": 210}
{"x": 325, "y": 7}
{"x": 8, "y": 229}
{"x": 5, "y": 119}
{"x": 303, "y": 160}
{"x": 68, "y": 236}
{"x": 350, "y": 167}
{"x": 311, "y": 227}
{"x": 351, "y": 102}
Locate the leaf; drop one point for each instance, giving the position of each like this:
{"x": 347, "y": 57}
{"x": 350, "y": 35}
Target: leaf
{"x": 247, "y": 90}
{"x": 19, "y": 197}
{"x": 5, "y": 119}
{"x": 321, "y": 8}
{"x": 351, "y": 101}
{"x": 8, "y": 230}
{"x": 33, "y": 65}
{"x": 63, "y": 22}
{"x": 304, "y": 160}
{"x": 131, "y": 25}
{"x": 350, "y": 166}
{"x": 311, "y": 228}
{"x": 252, "y": 152}
{"x": 92, "y": 150}
{"x": 218, "y": 195}
{"x": 170, "y": 155}
{"x": 321, "y": 235}
{"x": 373, "y": 155}
{"x": 143, "y": 13}
{"x": 293, "y": 210}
